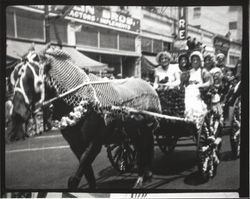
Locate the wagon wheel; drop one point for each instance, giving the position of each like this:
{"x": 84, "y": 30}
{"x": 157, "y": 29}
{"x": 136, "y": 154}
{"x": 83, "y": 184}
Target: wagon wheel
{"x": 122, "y": 156}
{"x": 166, "y": 143}
{"x": 209, "y": 146}
{"x": 235, "y": 134}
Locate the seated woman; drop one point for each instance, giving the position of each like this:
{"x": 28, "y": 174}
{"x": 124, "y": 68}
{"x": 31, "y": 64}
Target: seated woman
{"x": 167, "y": 81}
{"x": 184, "y": 66}
{"x": 199, "y": 79}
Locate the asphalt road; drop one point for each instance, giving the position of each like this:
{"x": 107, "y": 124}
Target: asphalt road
{"x": 46, "y": 162}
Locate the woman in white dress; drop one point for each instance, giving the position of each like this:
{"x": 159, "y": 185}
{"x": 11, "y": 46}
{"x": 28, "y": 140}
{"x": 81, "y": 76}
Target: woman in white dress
{"x": 167, "y": 81}
{"x": 200, "y": 78}
{"x": 166, "y": 74}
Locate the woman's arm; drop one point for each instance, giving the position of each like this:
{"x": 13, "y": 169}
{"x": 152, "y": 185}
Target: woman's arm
{"x": 156, "y": 80}
{"x": 207, "y": 79}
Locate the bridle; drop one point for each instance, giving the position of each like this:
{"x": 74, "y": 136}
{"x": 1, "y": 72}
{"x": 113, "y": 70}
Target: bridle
{"x": 38, "y": 78}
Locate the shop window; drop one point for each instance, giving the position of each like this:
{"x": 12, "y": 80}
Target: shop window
{"x": 157, "y": 46}
{"x": 233, "y": 60}
{"x": 233, "y": 25}
{"x": 88, "y": 36}
{"x": 124, "y": 9}
{"x": 166, "y": 46}
{"x": 30, "y": 25}
{"x": 197, "y": 12}
{"x": 146, "y": 44}
{"x": 233, "y": 8}
{"x": 61, "y": 27}
{"x": 10, "y": 27}
{"x": 127, "y": 42}
{"x": 108, "y": 39}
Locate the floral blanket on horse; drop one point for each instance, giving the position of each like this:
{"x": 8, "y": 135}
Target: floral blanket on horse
{"x": 65, "y": 75}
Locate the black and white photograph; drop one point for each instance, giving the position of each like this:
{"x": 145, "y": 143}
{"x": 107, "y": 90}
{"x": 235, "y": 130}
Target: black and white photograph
{"x": 123, "y": 101}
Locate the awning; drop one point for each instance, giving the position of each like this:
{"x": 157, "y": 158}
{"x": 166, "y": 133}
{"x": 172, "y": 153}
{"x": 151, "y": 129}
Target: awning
{"x": 151, "y": 59}
{"x": 85, "y": 62}
{"x": 146, "y": 66}
{"x": 17, "y": 49}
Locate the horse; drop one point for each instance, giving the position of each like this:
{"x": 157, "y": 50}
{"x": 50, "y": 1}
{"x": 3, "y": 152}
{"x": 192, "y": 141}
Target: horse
{"x": 87, "y": 136}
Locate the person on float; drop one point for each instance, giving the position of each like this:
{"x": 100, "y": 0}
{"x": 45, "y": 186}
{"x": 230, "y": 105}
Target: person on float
{"x": 167, "y": 81}
{"x": 220, "y": 62}
{"x": 215, "y": 89}
{"x": 199, "y": 79}
{"x": 184, "y": 67}
{"x": 166, "y": 75}
{"x": 227, "y": 75}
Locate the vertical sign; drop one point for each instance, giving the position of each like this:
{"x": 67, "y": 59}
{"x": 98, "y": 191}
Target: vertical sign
{"x": 182, "y": 26}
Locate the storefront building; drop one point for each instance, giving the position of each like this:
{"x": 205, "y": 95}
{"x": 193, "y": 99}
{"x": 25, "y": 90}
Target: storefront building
{"x": 109, "y": 35}
{"x": 100, "y": 33}
{"x": 119, "y": 38}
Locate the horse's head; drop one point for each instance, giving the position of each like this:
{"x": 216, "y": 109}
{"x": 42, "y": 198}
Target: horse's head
{"x": 27, "y": 79}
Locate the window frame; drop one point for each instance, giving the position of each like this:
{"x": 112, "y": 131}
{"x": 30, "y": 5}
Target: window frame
{"x": 196, "y": 12}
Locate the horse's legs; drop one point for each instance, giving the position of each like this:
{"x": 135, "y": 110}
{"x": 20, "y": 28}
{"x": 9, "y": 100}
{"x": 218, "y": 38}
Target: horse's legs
{"x": 90, "y": 132}
{"x": 147, "y": 150}
{"x": 85, "y": 167}
{"x": 144, "y": 144}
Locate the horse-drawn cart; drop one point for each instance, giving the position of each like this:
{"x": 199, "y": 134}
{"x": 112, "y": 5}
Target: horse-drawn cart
{"x": 207, "y": 140}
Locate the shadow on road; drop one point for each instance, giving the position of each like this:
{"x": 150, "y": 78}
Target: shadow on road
{"x": 166, "y": 168}
{"x": 174, "y": 163}
{"x": 125, "y": 184}
{"x": 227, "y": 156}
{"x": 194, "y": 179}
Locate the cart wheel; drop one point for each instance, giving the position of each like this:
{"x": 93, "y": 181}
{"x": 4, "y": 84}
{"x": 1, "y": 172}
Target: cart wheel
{"x": 209, "y": 146}
{"x": 166, "y": 143}
{"x": 235, "y": 134}
{"x": 122, "y": 156}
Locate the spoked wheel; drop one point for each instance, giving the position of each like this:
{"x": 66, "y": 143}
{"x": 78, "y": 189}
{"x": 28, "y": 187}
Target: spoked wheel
{"x": 166, "y": 143}
{"x": 235, "y": 134}
{"x": 208, "y": 146}
{"x": 122, "y": 156}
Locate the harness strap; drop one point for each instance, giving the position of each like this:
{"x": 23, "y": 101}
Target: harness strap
{"x": 21, "y": 90}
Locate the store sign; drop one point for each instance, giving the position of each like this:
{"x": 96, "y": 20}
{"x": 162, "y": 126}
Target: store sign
{"x": 99, "y": 16}
{"x": 182, "y": 32}
{"x": 180, "y": 45}
{"x": 105, "y": 17}
{"x": 221, "y": 45}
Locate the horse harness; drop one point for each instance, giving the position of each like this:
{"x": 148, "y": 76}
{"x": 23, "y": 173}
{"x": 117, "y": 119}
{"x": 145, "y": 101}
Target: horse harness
{"x": 29, "y": 62}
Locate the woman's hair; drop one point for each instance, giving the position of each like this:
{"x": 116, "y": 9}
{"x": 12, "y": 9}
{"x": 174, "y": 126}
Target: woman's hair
{"x": 220, "y": 55}
{"x": 160, "y": 54}
{"x": 209, "y": 56}
{"x": 187, "y": 67}
{"x": 196, "y": 53}
{"x": 183, "y": 55}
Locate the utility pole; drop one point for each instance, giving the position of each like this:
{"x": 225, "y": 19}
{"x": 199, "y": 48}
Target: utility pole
{"x": 47, "y": 24}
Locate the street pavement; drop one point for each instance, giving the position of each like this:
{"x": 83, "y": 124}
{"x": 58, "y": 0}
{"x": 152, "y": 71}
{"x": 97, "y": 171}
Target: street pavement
{"x": 46, "y": 162}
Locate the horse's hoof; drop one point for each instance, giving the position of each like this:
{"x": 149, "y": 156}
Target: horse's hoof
{"x": 148, "y": 177}
{"x": 139, "y": 183}
{"x": 73, "y": 182}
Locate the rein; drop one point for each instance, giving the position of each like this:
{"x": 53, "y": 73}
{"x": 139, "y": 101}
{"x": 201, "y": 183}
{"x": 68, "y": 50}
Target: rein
{"x": 48, "y": 102}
